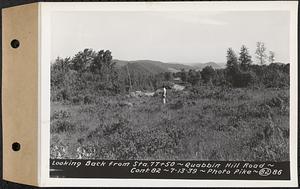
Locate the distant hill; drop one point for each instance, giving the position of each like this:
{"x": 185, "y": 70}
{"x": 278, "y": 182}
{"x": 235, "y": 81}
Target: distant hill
{"x": 200, "y": 66}
{"x": 150, "y": 67}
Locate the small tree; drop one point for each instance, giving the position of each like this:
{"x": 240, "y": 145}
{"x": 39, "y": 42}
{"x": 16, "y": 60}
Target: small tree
{"x": 83, "y": 59}
{"x": 61, "y": 64}
{"x": 207, "y": 74}
{"x": 245, "y": 58}
{"x": 59, "y": 69}
{"x": 271, "y": 57}
{"x": 261, "y": 52}
{"x": 183, "y": 75}
{"x": 168, "y": 76}
{"x": 232, "y": 61}
{"x": 194, "y": 77}
{"x": 232, "y": 68}
{"x": 102, "y": 63}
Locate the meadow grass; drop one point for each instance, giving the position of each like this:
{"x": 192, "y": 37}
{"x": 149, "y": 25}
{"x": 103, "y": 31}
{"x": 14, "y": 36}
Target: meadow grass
{"x": 206, "y": 123}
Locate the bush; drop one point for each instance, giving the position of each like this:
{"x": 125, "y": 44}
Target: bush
{"x": 59, "y": 126}
{"x": 240, "y": 79}
{"x": 243, "y": 79}
{"x": 207, "y": 74}
{"x": 272, "y": 76}
{"x": 60, "y": 122}
{"x": 177, "y": 105}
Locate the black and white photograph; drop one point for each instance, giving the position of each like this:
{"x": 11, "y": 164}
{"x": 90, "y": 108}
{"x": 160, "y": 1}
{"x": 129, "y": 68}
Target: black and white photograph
{"x": 149, "y": 94}
{"x": 170, "y": 86}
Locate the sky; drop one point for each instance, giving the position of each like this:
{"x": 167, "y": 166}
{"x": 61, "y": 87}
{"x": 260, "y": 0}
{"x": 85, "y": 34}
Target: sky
{"x": 178, "y": 36}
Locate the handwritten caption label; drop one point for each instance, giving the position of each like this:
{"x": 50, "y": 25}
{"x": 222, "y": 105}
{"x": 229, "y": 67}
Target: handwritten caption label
{"x": 179, "y": 169}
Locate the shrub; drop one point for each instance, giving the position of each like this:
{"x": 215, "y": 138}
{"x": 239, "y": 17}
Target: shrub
{"x": 60, "y": 114}
{"x": 60, "y": 122}
{"x": 87, "y": 99}
{"x": 207, "y": 74}
{"x": 177, "y": 105}
{"x": 242, "y": 79}
{"x": 59, "y": 126}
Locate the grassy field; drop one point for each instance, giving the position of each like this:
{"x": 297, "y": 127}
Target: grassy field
{"x": 207, "y": 123}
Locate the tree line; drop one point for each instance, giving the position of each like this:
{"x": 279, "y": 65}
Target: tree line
{"x": 91, "y": 73}
{"x": 241, "y": 72}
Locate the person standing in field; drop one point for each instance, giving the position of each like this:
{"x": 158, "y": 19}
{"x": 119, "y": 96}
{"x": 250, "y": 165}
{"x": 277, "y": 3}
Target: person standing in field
{"x": 164, "y": 95}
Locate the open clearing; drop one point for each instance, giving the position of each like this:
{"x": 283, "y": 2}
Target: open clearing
{"x": 207, "y": 123}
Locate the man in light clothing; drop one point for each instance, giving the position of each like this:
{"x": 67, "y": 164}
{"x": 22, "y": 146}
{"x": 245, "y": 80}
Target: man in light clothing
{"x": 164, "y": 95}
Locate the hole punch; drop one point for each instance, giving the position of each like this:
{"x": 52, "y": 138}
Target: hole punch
{"x": 15, "y": 43}
{"x": 16, "y": 146}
